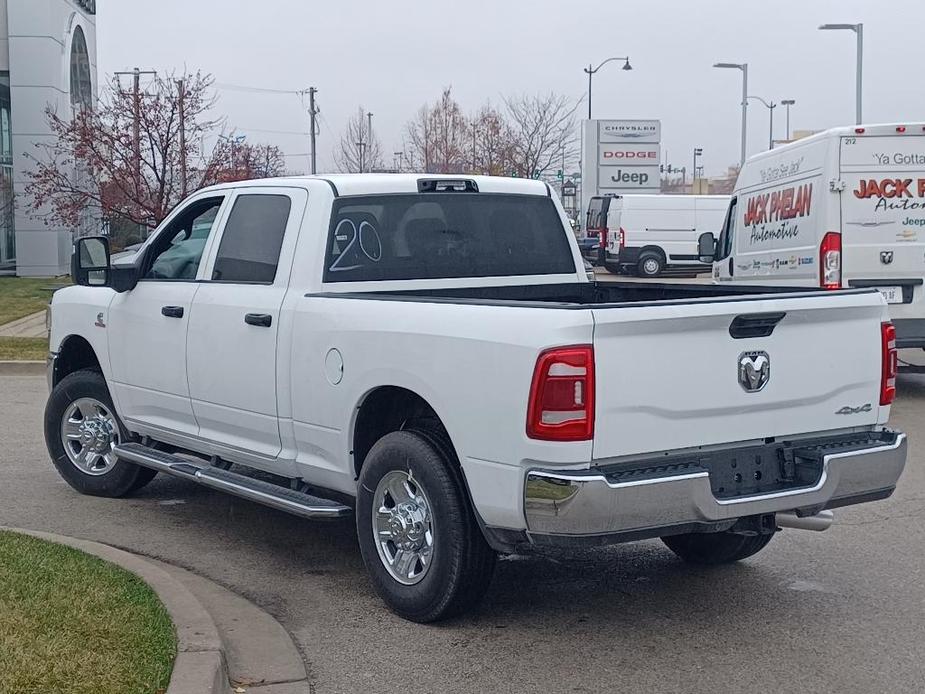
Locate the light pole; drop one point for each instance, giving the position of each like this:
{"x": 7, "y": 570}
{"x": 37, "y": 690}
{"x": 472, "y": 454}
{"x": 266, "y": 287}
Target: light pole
{"x": 859, "y": 30}
{"x": 744, "y": 68}
{"x": 770, "y": 106}
{"x": 698, "y": 151}
{"x": 788, "y": 103}
{"x": 399, "y": 156}
{"x": 590, "y": 70}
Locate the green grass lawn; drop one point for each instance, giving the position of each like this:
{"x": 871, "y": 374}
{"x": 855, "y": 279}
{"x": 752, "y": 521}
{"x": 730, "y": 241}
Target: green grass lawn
{"x": 23, "y": 349}
{"x": 22, "y": 296}
{"x": 75, "y": 624}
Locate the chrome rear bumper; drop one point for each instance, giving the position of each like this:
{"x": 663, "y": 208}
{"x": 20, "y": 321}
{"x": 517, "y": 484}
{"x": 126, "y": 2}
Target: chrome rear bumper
{"x": 583, "y": 504}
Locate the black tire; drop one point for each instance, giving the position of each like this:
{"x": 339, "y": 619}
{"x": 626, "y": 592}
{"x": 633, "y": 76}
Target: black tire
{"x": 122, "y": 478}
{"x": 715, "y": 548}
{"x": 613, "y": 268}
{"x": 462, "y": 563}
{"x": 650, "y": 264}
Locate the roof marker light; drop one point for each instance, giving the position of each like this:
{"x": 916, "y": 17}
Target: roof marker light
{"x": 900, "y": 128}
{"x": 859, "y": 131}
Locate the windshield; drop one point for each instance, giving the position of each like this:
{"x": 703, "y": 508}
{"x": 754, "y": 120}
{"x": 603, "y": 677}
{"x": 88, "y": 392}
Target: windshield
{"x": 438, "y": 235}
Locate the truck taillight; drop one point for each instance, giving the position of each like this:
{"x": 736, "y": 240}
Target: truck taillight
{"x": 622, "y": 238}
{"x": 561, "y": 406}
{"x": 603, "y": 237}
{"x": 830, "y": 261}
{"x": 890, "y": 363}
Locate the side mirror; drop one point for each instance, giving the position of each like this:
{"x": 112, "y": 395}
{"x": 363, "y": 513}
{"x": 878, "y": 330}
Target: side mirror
{"x": 706, "y": 247}
{"x": 90, "y": 262}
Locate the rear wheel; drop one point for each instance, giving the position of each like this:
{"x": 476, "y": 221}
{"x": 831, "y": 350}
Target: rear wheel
{"x": 419, "y": 539}
{"x": 715, "y": 548}
{"x": 650, "y": 264}
{"x": 81, "y": 430}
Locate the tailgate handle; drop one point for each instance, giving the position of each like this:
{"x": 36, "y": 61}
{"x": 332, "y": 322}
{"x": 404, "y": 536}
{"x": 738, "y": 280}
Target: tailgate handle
{"x": 754, "y": 324}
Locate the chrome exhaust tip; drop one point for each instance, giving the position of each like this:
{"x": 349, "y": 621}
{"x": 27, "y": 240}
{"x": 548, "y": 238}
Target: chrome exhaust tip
{"x": 819, "y": 522}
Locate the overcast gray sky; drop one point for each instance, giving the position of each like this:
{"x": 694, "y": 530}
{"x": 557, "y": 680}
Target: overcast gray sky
{"x": 391, "y": 56}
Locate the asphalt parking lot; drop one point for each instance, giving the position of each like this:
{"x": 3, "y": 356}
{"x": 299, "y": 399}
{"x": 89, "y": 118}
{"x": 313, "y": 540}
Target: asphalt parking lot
{"x": 839, "y": 611}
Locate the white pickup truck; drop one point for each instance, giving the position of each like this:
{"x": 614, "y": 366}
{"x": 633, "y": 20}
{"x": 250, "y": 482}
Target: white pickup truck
{"x": 428, "y": 354}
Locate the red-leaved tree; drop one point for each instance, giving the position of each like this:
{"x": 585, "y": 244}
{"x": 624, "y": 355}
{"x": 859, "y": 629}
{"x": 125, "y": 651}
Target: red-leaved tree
{"x": 94, "y": 169}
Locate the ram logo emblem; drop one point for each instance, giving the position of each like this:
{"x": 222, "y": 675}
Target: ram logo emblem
{"x": 886, "y": 257}
{"x": 754, "y": 371}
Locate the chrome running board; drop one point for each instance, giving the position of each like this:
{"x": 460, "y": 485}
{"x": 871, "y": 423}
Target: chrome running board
{"x": 259, "y": 491}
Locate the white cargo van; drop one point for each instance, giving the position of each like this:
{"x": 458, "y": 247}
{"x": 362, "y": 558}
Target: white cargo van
{"x": 842, "y": 208}
{"x": 646, "y": 234}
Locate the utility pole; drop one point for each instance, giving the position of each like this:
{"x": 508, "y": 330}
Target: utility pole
{"x": 136, "y": 127}
{"x": 181, "y": 98}
{"x": 312, "y": 113}
{"x": 399, "y": 156}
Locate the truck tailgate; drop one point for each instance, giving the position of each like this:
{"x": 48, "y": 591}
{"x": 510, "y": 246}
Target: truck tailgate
{"x": 668, "y": 374}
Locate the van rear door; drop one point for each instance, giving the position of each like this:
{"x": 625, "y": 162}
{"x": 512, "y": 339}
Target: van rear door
{"x": 883, "y": 217}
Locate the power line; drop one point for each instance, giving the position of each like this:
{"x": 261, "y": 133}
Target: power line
{"x": 260, "y": 90}
{"x": 303, "y": 133}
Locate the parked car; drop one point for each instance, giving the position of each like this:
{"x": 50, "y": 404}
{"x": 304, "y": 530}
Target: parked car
{"x": 842, "y": 208}
{"x": 428, "y": 354}
{"x": 648, "y": 234}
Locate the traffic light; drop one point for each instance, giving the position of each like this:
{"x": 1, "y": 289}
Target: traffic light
{"x": 559, "y": 174}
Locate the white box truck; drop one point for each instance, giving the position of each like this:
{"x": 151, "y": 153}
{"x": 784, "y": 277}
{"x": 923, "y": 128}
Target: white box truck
{"x": 646, "y": 234}
{"x": 842, "y": 208}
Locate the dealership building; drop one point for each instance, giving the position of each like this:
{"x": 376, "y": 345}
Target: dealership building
{"x": 47, "y": 58}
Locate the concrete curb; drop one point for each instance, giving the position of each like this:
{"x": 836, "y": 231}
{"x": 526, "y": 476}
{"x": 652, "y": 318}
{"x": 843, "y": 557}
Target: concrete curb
{"x": 200, "y": 664}
{"x": 22, "y": 368}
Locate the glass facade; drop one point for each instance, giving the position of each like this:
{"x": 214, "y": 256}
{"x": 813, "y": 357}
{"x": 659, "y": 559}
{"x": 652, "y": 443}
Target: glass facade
{"x": 7, "y": 232}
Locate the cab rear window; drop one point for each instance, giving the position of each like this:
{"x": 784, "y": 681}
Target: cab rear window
{"x": 437, "y": 235}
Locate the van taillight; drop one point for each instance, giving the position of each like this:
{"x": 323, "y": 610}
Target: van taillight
{"x": 830, "y": 261}
{"x": 561, "y": 406}
{"x": 890, "y": 363}
{"x": 622, "y": 238}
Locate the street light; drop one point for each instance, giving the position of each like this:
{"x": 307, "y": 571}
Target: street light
{"x": 859, "y": 30}
{"x": 788, "y": 103}
{"x": 698, "y": 151}
{"x": 591, "y": 71}
{"x": 770, "y": 106}
{"x": 744, "y": 68}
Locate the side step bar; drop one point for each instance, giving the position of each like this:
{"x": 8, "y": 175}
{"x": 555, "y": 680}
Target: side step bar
{"x": 266, "y": 493}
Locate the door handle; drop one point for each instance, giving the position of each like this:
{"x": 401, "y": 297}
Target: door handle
{"x": 261, "y": 320}
{"x": 172, "y": 311}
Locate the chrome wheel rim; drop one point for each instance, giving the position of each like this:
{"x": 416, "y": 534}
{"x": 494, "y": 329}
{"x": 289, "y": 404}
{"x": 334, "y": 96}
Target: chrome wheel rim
{"x": 403, "y": 527}
{"x": 651, "y": 266}
{"x": 89, "y": 433}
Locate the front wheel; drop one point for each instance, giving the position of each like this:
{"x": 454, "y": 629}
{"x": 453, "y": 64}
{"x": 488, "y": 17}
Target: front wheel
{"x": 420, "y": 542}
{"x": 715, "y": 548}
{"x": 81, "y": 431}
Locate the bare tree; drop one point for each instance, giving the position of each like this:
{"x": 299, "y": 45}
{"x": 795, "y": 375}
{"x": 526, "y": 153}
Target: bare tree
{"x": 359, "y": 149}
{"x": 437, "y": 137}
{"x": 492, "y": 142}
{"x": 91, "y": 166}
{"x": 544, "y": 132}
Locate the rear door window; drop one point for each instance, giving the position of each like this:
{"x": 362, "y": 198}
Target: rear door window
{"x": 253, "y": 236}
{"x": 443, "y": 235}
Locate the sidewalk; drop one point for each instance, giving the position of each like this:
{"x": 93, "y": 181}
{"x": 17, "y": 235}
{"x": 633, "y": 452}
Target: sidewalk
{"x": 30, "y": 326}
